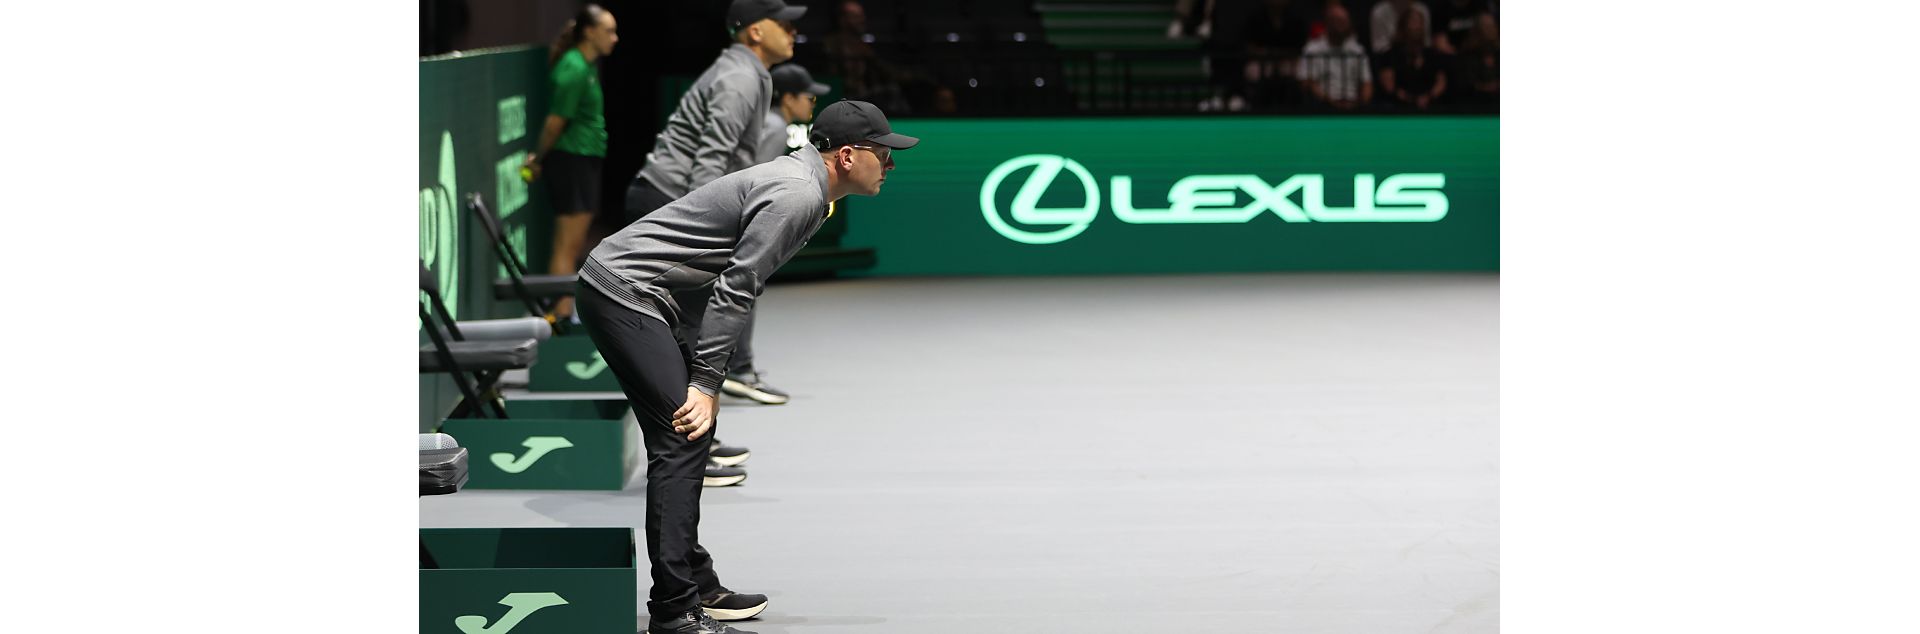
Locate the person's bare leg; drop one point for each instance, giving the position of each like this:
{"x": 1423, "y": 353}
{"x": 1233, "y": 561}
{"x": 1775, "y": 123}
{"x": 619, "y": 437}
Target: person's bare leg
{"x": 569, "y": 236}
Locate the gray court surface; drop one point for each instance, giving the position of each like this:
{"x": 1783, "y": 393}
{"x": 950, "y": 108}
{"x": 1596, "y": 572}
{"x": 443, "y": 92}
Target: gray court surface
{"x": 1234, "y": 453}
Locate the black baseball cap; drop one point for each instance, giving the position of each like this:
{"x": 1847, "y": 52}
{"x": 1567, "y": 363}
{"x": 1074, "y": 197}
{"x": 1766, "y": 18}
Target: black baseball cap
{"x": 744, "y": 12}
{"x": 794, "y": 79}
{"x": 849, "y": 121}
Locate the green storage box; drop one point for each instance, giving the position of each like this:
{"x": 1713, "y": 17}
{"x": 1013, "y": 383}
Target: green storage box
{"x": 570, "y": 408}
{"x": 570, "y": 363}
{"x": 599, "y": 454}
{"x": 528, "y": 581}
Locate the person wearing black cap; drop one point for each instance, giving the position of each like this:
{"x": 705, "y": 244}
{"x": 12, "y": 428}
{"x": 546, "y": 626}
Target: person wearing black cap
{"x": 794, "y": 95}
{"x": 718, "y": 123}
{"x": 730, "y": 234}
{"x": 714, "y": 131}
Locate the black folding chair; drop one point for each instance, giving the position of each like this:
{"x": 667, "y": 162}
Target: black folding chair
{"x": 537, "y": 292}
{"x": 475, "y": 365}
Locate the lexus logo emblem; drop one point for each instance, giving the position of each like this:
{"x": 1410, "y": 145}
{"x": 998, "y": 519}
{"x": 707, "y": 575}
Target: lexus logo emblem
{"x": 1067, "y": 222}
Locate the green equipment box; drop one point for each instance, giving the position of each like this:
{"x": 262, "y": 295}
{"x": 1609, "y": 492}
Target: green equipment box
{"x": 597, "y": 454}
{"x": 528, "y": 581}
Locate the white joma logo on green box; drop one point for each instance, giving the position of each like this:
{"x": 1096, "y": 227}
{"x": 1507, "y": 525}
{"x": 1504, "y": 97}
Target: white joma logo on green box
{"x": 583, "y": 371}
{"x": 537, "y": 446}
{"x": 520, "y": 605}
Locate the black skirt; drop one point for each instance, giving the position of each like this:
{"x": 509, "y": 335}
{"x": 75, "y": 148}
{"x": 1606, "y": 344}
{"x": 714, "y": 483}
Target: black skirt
{"x": 573, "y": 181}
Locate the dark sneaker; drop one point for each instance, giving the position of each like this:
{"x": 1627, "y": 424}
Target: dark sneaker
{"x": 695, "y": 622}
{"x": 732, "y": 606}
{"x": 727, "y": 456}
{"x": 751, "y": 386}
{"x": 722, "y": 476}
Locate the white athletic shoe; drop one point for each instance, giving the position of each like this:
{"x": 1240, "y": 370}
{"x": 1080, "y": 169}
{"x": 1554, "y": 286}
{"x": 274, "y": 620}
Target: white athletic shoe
{"x": 752, "y": 386}
{"x": 727, "y": 456}
{"x": 720, "y": 476}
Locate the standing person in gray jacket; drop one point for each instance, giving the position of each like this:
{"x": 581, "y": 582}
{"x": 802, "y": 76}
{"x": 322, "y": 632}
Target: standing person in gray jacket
{"x": 730, "y": 234}
{"x": 794, "y": 95}
{"x": 717, "y": 126}
{"x": 714, "y": 131}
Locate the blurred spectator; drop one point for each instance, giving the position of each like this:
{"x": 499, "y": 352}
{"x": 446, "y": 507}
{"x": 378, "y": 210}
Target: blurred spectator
{"x": 1274, "y": 39}
{"x": 1317, "y": 21}
{"x": 1453, "y": 23}
{"x": 944, "y": 102}
{"x": 1387, "y": 18}
{"x": 1411, "y": 76}
{"x": 1223, "y": 26}
{"x": 1477, "y": 66}
{"x": 1334, "y": 68}
{"x": 1190, "y": 18}
{"x": 850, "y": 55}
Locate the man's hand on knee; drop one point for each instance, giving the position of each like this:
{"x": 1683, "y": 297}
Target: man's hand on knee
{"x": 696, "y": 416}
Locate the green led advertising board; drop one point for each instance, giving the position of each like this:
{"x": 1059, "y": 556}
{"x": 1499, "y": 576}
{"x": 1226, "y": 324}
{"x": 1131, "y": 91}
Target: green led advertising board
{"x": 1187, "y": 195}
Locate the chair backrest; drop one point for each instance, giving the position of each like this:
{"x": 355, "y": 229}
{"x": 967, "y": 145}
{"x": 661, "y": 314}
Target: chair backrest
{"x": 441, "y": 328}
{"x": 488, "y": 223}
{"x": 445, "y": 326}
{"x": 509, "y": 257}
{"x": 428, "y": 283}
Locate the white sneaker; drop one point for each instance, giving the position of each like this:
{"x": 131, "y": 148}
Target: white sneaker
{"x": 719, "y": 476}
{"x": 752, "y": 386}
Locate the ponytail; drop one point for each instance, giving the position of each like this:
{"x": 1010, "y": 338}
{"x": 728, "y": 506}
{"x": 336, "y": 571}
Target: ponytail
{"x": 574, "y": 31}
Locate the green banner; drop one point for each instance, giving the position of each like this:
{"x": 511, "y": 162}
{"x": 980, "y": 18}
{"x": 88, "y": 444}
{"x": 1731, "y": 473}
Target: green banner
{"x": 479, "y": 115}
{"x": 532, "y": 580}
{"x": 1188, "y": 195}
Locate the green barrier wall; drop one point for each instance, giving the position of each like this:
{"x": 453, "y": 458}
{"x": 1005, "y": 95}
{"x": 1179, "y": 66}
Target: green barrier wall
{"x": 528, "y": 580}
{"x": 479, "y": 115}
{"x": 1201, "y": 194}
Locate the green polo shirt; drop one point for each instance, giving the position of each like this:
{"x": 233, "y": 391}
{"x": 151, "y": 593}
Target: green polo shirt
{"x": 576, "y": 98}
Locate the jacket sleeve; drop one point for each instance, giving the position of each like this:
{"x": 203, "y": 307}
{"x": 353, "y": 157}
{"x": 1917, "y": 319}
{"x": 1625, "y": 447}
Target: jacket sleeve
{"x": 779, "y": 222}
{"x": 731, "y": 113}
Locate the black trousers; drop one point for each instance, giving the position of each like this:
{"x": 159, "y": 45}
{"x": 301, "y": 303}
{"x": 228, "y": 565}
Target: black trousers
{"x": 651, "y": 365}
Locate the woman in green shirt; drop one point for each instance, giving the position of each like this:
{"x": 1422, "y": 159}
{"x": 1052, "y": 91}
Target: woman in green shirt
{"x": 573, "y": 141}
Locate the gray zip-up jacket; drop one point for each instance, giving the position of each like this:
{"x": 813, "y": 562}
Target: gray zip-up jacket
{"x": 773, "y": 137}
{"x": 732, "y": 233}
{"x": 716, "y": 128}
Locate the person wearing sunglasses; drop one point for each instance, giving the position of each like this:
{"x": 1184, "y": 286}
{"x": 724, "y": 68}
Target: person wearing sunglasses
{"x": 719, "y": 121}
{"x": 794, "y": 95}
{"x": 714, "y": 131}
{"x": 730, "y": 234}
